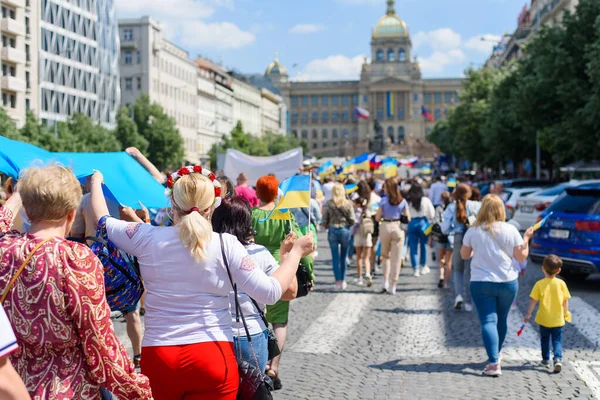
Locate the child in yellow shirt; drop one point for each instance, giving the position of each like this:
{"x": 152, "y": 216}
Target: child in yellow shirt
{"x": 553, "y": 295}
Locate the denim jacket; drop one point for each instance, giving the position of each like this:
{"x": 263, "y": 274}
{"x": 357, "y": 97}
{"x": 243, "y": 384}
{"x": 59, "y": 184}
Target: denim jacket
{"x": 450, "y": 224}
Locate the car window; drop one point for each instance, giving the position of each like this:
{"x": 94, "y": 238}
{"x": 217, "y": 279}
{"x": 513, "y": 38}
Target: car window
{"x": 527, "y": 193}
{"x": 578, "y": 202}
{"x": 554, "y": 191}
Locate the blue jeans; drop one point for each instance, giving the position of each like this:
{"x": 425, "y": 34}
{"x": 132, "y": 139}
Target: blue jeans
{"x": 260, "y": 342}
{"x": 417, "y": 241}
{"x": 493, "y": 301}
{"x": 339, "y": 240}
{"x": 556, "y": 335}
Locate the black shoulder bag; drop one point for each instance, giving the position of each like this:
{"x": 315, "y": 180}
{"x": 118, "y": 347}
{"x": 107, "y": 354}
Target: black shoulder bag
{"x": 272, "y": 340}
{"x": 253, "y": 384}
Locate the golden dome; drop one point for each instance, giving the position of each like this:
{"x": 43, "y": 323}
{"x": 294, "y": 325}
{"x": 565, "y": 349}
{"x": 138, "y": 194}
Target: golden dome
{"x": 390, "y": 25}
{"x": 275, "y": 68}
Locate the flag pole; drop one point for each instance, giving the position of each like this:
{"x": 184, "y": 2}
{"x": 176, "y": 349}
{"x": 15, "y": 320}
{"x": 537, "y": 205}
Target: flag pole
{"x": 309, "y": 197}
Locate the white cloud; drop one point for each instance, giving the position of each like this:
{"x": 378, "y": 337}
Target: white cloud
{"x": 483, "y": 44}
{"x": 338, "y": 67}
{"x": 188, "y": 9}
{"x": 440, "y": 39}
{"x": 220, "y": 35}
{"x": 305, "y": 29}
{"x": 439, "y": 60}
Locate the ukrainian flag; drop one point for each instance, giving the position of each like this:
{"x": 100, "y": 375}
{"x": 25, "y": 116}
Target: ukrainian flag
{"x": 325, "y": 169}
{"x": 351, "y": 188}
{"x": 390, "y": 103}
{"x": 428, "y": 228}
{"x": 295, "y": 194}
{"x": 282, "y": 215}
{"x": 451, "y": 182}
{"x": 362, "y": 162}
{"x": 390, "y": 170}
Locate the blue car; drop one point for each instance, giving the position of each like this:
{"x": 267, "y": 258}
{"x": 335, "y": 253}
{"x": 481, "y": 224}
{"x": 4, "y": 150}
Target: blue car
{"x": 572, "y": 232}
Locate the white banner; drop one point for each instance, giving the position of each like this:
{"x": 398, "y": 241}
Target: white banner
{"x": 282, "y": 165}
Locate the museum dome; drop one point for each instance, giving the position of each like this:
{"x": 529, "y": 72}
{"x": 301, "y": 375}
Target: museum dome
{"x": 390, "y": 25}
{"x": 275, "y": 68}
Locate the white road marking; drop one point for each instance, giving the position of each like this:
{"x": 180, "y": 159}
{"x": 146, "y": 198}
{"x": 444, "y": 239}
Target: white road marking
{"x": 586, "y": 319}
{"x": 326, "y": 333}
{"x": 526, "y": 347}
{"x": 422, "y": 331}
{"x": 589, "y": 372}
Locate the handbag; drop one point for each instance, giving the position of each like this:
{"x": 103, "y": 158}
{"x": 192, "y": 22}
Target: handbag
{"x": 304, "y": 279}
{"x": 367, "y": 226}
{"x": 271, "y": 339}
{"x": 21, "y": 268}
{"x": 253, "y": 384}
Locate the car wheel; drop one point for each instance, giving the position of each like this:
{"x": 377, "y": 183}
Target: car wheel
{"x": 573, "y": 276}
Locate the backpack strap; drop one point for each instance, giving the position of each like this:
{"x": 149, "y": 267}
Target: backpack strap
{"x": 22, "y": 267}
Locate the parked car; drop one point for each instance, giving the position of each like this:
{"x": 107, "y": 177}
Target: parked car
{"x": 572, "y": 232}
{"x": 530, "y": 207}
{"x": 485, "y": 186}
{"x": 512, "y": 195}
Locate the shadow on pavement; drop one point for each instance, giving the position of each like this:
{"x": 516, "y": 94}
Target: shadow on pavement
{"x": 473, "y": 369}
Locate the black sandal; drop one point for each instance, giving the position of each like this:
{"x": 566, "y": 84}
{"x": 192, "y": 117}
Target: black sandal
{"x": 276, "y": 381}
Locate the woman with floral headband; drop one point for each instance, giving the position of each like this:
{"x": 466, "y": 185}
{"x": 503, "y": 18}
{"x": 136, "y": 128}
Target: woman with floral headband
{"x": 188, "y": 342}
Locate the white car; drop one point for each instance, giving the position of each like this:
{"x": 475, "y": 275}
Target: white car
{"x": 529, "y": 208}
{"x": 512, "y": 195}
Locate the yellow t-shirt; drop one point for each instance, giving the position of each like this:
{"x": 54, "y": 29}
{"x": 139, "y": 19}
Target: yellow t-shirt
{"x": 551, "y": 294}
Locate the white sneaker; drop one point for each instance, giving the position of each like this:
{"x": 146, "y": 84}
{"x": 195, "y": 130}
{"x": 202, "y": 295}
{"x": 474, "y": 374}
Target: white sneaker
{"x": 468, "y": 307}
{"x": 393, "y": 290}
{"x": 416, "y": 274}
{"x": 493, "y": 370}
{"x": 425, "y": 270}
{"x": 369, "y": 280}
{"x": 344, "y": 285}
{"x": 360, "y": 282}
{"x": 338, "y": 286}
{"x": 458, "y": 302}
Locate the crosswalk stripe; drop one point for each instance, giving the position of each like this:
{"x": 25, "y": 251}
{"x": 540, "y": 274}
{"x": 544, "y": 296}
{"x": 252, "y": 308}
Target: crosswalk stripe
{"x": 337, "y": 321}
{"x": 589, "y": 372}
{"x": 586, "y": 319}
{"x": 520, "y": 348}
{"x": 421, "y": 314}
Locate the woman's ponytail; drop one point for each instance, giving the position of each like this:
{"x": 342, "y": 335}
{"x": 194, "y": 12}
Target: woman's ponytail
{"x": 195, "y": 233}
{"x": 462, "y": 193}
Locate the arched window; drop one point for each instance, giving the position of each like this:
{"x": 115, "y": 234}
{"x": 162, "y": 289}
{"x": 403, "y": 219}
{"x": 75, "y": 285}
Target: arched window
{"x": 379, "y": 55}
{"x": 400, "y": 134}
{"x": 304, "y": 134}
{"x": 334, "y": 133}
{"x": 315, "y": 134}
{"x": 391, "y": 55}
{"x": 401, "y": 55}
{"x": 345, "y": 132}
{"x": 324, "y": 133}
{"x": 390, "y": 133}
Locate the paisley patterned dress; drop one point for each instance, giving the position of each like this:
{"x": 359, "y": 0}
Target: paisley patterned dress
{"x": 57, "y": 307}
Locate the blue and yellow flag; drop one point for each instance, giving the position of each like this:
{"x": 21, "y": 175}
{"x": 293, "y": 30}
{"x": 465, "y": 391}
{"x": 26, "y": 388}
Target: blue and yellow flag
{"x": 281, "y": 215}
{"x": 351, "y": 188}
{"x": 295, "y": 194}
{"x": 325, "y": 169}
{"x": 362, "y": 163}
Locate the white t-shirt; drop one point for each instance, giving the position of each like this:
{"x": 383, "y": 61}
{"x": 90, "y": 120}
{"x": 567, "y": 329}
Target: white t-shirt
{"x": 327, "y": 188}
{"x": 492, "y": 256}
{"x": 187, "y": 301}
{"x": 8, "y": 342}
{"x": 426, "y": 211}
{"x": 268, "y": 264}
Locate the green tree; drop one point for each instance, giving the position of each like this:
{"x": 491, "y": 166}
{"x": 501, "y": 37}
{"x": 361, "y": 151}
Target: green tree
{"x": 127, "y": 132}
{"x": 93, "y": 137}
{"x": 7, "y": 126}
{"x": 35, "y": 133}
{"x": 441, "y": 136}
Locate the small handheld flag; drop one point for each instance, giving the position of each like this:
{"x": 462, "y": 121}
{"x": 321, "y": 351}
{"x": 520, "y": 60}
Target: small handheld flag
{"x": 452, "y": 183}
{"x": 542, "y": 222}
{"x": 295, "y": 193}
{"x": 428, "y": 229}
{"x": 351, "y": 188}
{"x": 520, "y": 331}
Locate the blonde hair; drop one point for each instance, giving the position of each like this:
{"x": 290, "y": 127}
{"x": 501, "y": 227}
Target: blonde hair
{"x": 49, "y": 193}
{"x": 195, "y": 230}
{"x": 492, "y": 210}
{"x": 338, "y": 195}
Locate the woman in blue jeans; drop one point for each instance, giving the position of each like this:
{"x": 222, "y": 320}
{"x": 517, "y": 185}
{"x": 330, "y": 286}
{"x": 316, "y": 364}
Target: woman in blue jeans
{"x": 338, "y": 217}
{"x": 421, "y": 214}
{"x": 492, "y": 243}
{"x": 234, "y": 216}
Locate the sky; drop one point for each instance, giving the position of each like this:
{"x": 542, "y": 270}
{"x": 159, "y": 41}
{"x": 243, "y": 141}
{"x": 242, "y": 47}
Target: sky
{"x": 328, "y": 39}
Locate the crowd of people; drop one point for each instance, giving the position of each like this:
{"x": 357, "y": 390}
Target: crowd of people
{"x": 220, "y": 275}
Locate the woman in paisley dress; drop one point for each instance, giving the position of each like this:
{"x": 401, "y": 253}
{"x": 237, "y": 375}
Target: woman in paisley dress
{"x": 57, "y": 307}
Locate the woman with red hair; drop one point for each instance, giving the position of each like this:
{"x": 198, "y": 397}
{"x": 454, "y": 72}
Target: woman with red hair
{"x": 270, "y": 234}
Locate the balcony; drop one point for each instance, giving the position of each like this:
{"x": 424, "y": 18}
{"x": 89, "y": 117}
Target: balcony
{"x": 14, "y": 3}
{"x": 12, "y": 26}
{"x": 13, "y": 84}
{"x": 129, "y": 44}
{"x": 12, "y": 55}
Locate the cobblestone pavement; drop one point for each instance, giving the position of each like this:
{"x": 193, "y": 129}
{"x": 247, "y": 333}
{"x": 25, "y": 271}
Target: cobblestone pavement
{"x": 359, "y": 344}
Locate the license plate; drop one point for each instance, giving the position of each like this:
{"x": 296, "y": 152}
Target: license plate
{"x": 559, "y": 233}
{"x": 527, "y": 209}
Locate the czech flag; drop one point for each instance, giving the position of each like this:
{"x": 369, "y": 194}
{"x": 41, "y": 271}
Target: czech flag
{"x": 361, "y": 113}
{"x": 295, "y": 193}
{"x": 425, "y": 112}
{"x": 410, "y": 162}
{"x": 374, "y": 163}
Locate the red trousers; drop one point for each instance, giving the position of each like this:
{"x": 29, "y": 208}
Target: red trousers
{"x": 207, "y": 371}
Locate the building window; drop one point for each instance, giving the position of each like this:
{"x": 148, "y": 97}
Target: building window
{"x": 426, "y": 97}
{"x": 315, "y": 117}
{"x": 437, "y": 97}
{"x": 294, "y": 117}
{"x": 335, "y": 144}
{"x": 335, "y": 117}
{"x": 294, "y": 101}
{"x": 127, "y": 34}
{"x": 456, "y": 97}
{"x": 345, "y": 100}
{"x": 128, "y": 84}
{"x": 324, "y": 100}
{"x": 365, "y": 99}
{"x": 390, "y": 133}
{"x": 391, "y": 55}
{"x": 315, "y": 101}
{"x": 345, "y": 116}
{"x": 335, "y": 100}
{"x": 314, "y": 146}
{"x": 27, "y": 104}
{"x": 354, "y": 99}
{"x": 128, "y": 57}
{"x": 295, "y": 133}
{"x": 305, "y": 117}
{"x": 355, "y": 132}
{"x": 324, "y": 144}
{"x": 448, "y": 97}
{"x": 415, "y": 96}
{"x": 334, "y": 133}
{"x": 324, "y": 134}
{"x": 400, "y": 112}
{"x": 401, "y": 55}
{"x": 379, "y": 55}
{"x": 315, "y": 134}
{"x": 400, "y": 134}
{"x": 139, "y": 57}
{"x": 27, "y": 78}
{"x": 304, "y": 101}
{"x": 345, "y": 133}
{"x": 437, "y": 113}
{"x": 324, "y": 117}
{"x": 139, "y": 83}
{"x": 380, "y": 114}
{"x": 304, "y": 134}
